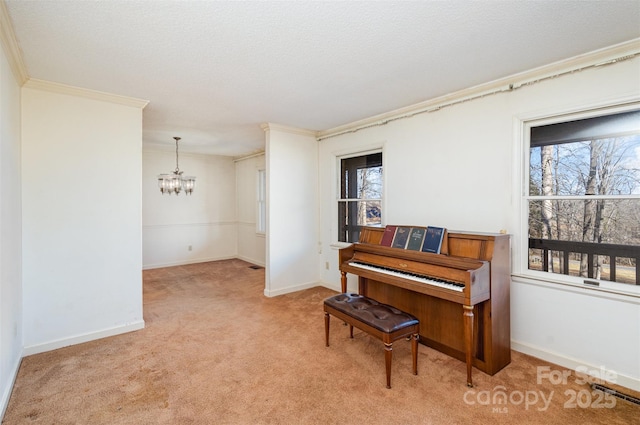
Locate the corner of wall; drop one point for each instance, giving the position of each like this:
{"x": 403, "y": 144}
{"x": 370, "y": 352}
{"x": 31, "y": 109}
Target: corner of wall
{"x": 8, "y": 388}
{"x": 10, "y": 46}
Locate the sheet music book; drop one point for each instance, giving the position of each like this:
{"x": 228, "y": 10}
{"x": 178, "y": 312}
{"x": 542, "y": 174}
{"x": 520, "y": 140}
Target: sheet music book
{"x": 416, "y": 238}
{"x": 388, "y": 235}
{"x": 401, "y": 238}
{"x": 433, "y": 239}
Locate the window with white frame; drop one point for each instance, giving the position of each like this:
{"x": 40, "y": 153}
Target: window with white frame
{"x": 360, "y": 200}
{"x": 261, "y": 222}
{"x": 582, "y": 197}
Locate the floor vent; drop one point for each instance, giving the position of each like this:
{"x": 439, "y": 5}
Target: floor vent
{"x": 255, "y": 267}
{"x": 615, "y": 393}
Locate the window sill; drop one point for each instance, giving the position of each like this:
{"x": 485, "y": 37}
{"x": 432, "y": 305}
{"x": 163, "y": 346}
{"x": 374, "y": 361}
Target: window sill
{"x": 631, "y": 294}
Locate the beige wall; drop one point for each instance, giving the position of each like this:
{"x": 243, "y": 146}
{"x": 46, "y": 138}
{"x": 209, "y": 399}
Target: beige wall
{"x": 292, "y": 210}
{"x": 11, "y": 339}
{"x": 81, "y": 191}
{"x": 251, "y": 245}
{"x": 204, "y": 220}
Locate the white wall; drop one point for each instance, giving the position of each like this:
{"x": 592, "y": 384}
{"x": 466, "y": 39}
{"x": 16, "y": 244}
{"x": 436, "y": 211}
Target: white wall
{"x": 455, "y": 168}
{"x": 82, "y": 248}
{"x": 204, "y": 220}
{"x": 251, "y": 245}
{"x": 10, "y": 231}
{"x": 577, "y": 328}
{"x": 292, "y": 210}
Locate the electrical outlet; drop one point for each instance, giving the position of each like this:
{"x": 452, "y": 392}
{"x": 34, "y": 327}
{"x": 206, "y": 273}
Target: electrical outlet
{"x": 326, "y": 265}
{"x": 190, "y": 248}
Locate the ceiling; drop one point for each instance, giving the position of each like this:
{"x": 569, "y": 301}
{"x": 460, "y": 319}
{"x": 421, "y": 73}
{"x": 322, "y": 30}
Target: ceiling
{"x": 213, "y": 71}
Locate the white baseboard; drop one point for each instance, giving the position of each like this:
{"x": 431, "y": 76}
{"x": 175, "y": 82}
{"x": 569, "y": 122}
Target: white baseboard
{"x": 185, "y": 262}
{"x": 289, "y": 289}
{"x": 79, "y": 339}
{"x": 573, "y": 364}
{"x": 251, "y": 260}
{"x": 333, "y": 286}
{"x": 8, "y": 389}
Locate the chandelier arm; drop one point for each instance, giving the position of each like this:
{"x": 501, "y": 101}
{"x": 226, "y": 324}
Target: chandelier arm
{"x": 177, "y": 167}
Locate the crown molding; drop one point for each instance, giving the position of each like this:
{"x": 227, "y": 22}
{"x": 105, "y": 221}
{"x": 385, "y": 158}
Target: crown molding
{"x": 606, "y": 56}
{"x": 249, "y": 156}
{"x": 10, "y": 46}
{"x": 267, "y": 126}
{"x": 87, "y": 93}
{"x": 185, "y": 150}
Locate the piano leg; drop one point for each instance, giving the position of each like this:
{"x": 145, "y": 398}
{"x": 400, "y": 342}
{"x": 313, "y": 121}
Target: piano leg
{"x": 326, "y": 328}
{"x": 414, "y": 352}
{"x": 388, "y": 352}
{"x": 343, "y": 281}
{"x": 468, "y": 339}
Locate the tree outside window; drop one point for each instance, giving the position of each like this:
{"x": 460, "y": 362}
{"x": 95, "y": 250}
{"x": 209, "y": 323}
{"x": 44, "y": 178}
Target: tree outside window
{"x": 360, "y": 202}
{"x": 584, "y": 197}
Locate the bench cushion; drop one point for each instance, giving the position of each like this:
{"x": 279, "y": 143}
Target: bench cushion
{"x": 383, "y": 317}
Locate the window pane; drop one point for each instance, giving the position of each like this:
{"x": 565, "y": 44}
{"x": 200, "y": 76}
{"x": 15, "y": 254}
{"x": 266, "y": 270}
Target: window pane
{"x": 586, "y": 237}
{"x": 369, "y": 213}
{"x": 618, "y": 220}
{"x": 361, "y": 178}
{"x": 593, "y": 167}
{"x": 624, "y": 269}
{"x": 369, "y": 183}
{"x": 597, "y": 237}
{"x": 600, "y": 127}
{"x": 355, "y": 214}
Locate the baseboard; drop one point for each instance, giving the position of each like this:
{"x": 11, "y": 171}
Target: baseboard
{"x": 8, "y": 389}
{"x": 202, "y": 260}
{"x": 79, "y": 339}
{"x": 251, "y": 260}
{"x": 185, "y": 262}
{"x": 289, "y": 289}
{"x": 630, "y": 382}
{"x": 333, "y": 286}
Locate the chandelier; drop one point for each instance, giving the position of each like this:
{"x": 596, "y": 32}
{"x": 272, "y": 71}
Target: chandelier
{"x": 176, "y": 182}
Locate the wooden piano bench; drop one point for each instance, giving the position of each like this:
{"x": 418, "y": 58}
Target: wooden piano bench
{"x": 382, "y": 321}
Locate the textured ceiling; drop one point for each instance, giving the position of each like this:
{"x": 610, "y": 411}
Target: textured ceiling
{"x": 213, "y": 70}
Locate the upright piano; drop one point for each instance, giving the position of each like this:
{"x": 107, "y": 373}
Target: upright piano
{"x": 460, "y": 296}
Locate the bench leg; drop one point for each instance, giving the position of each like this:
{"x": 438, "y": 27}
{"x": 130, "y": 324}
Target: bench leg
{"x": 388, "y": 350}
{"x": 414, "y": 353}
{"x": 326, "y": 328}
{"x": 351, "y": 331}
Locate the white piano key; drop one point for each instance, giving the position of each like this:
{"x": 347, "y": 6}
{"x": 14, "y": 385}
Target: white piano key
{"x": 411, "y": 276}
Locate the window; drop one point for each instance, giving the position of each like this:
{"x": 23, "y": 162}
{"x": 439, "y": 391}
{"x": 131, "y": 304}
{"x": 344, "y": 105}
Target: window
{"x": 582, "y": 197}
{"x": 360, "y": 202}
{"x": 261, "y": 222}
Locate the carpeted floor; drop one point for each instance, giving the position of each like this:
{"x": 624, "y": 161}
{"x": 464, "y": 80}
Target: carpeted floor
{"x": 215, "y": 350}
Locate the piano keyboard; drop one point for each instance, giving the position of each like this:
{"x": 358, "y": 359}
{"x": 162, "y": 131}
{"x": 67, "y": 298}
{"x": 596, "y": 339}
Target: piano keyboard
{"x": 454, "y": 286}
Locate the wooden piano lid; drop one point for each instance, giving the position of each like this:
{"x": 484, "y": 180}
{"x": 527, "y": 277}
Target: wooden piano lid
{"x": 477, "y": 245}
